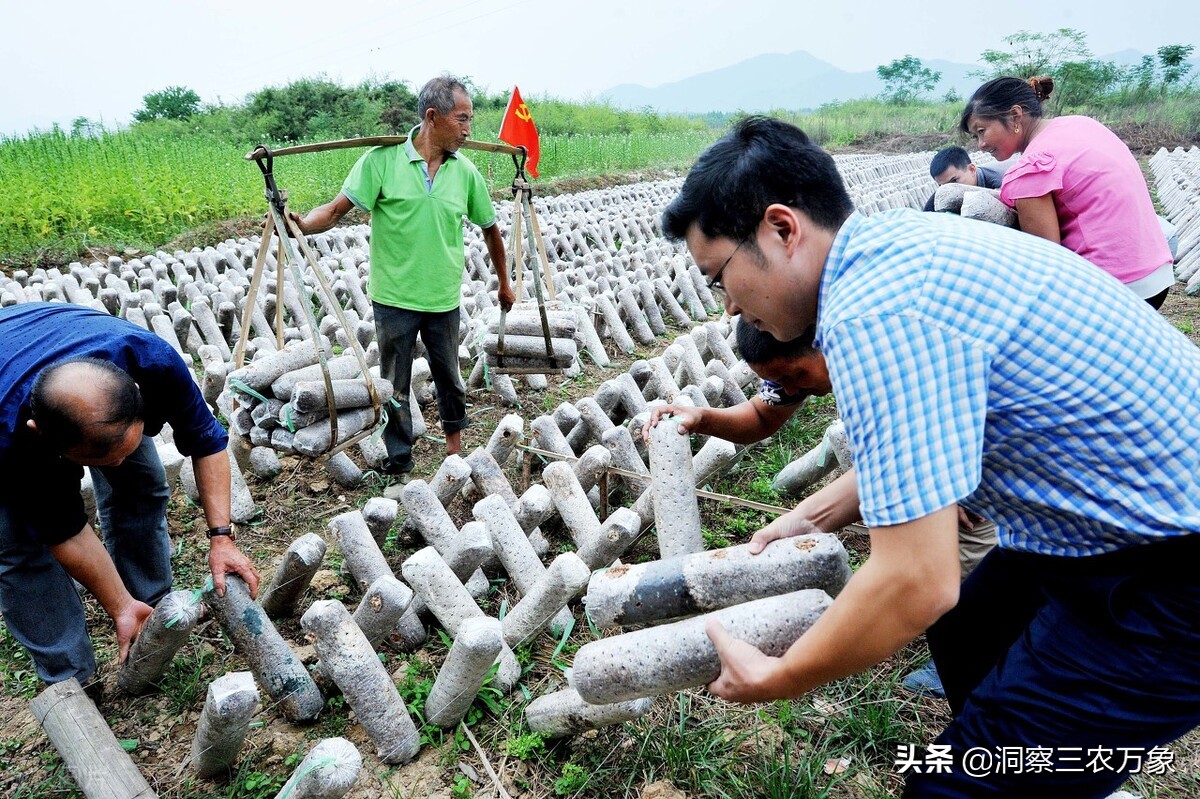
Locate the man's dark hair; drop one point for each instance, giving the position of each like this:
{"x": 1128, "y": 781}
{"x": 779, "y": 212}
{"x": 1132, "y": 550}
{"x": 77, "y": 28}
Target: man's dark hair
{"x": 996, "y": 98}
{"x": 438, "y": 94}
{"x": 61, "y": 429}
{"x": 757, "y": 347}
{"x": 759, "y": 162}
{"x": 955, "y": 157}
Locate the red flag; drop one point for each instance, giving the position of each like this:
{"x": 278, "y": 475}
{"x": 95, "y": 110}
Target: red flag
{"x": 518, "y": 130}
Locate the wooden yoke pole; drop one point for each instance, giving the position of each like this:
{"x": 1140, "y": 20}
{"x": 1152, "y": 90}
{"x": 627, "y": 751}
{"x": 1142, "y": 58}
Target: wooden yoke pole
{"x": 373, "y": 141}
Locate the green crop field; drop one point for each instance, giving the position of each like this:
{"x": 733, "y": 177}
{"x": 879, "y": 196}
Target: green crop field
{"x": 137, "y": 188}
{"x": 66, "y": 193}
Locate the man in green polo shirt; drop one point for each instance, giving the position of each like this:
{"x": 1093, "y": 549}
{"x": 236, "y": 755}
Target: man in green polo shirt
{"x": 417, "y": 194}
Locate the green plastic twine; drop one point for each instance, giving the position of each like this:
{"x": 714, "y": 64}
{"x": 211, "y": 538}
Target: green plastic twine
{"x": 304, "y": 771}
{"x": 287, "y": 418}
{"x": 237, "y": 384}
{"x": 180, "y": 616}
{"x": 383, "y": 418}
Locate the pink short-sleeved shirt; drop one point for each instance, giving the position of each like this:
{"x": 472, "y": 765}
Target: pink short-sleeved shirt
{"x": 1104, "y": 208}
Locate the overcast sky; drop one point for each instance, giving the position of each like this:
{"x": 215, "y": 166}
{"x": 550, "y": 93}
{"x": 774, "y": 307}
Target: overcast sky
{"x": 67, "y": 58}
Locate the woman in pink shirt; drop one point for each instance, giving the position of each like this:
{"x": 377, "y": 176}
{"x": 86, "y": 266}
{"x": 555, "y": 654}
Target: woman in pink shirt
{"x": 1075, "y": 183}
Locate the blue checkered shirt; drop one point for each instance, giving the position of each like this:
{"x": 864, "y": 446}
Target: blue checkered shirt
{"x": 979, "y": 364}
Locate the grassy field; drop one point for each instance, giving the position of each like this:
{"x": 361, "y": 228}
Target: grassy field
{"x": 141, "y": 187}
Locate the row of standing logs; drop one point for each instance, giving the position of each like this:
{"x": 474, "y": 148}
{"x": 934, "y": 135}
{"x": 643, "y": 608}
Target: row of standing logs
{"x": 1177, "y": 178}
{"x": 436, "y": 579}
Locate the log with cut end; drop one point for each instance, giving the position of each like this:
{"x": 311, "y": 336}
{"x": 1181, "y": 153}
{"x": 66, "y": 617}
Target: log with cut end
{"x": 94, "y": 757}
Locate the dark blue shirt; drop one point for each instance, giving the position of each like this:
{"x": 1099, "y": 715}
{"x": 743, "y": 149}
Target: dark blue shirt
{"x": 41, "y": 488}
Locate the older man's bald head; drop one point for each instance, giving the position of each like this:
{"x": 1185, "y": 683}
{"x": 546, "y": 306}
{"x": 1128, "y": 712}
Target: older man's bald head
{"x": 85, "y": 406}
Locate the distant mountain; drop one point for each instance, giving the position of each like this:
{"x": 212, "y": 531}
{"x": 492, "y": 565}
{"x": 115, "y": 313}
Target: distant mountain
{"x": 794, "y": 81}
{"x": 1124, "y": 58}
{"x": 1131, "y": 58}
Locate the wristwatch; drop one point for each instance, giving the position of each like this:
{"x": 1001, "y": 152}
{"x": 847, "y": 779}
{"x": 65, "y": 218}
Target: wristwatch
{"x": 226, "y": 530}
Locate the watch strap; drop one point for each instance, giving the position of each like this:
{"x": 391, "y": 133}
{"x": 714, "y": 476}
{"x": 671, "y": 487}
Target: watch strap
{"x": 224, "y": 530}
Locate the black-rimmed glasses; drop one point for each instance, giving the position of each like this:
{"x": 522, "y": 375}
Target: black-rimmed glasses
{"x": 714, "y": 282}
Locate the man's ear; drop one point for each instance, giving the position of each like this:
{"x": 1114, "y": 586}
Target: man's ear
{"x": 783, "y": 224}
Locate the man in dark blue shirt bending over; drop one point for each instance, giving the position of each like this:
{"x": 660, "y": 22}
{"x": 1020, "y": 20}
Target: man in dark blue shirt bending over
{"x": 81, "y": 388}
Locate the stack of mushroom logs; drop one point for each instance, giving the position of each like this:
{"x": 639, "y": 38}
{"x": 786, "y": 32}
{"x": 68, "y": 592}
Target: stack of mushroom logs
{"x": 1177, "y": 178}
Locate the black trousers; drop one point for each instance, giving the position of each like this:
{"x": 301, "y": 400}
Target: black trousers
{"x": 396, "y": 330}
{"x": 1065, "y": 674}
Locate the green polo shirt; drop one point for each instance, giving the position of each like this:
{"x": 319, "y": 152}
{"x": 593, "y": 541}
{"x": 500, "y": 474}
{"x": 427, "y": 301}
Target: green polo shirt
{"x": 416, "y": 227}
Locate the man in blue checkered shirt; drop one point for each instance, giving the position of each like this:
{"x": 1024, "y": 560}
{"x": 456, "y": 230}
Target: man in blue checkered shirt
{"x": 977, "y": 365}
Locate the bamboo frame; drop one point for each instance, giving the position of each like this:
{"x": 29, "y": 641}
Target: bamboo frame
{"x": 285, "y": 229}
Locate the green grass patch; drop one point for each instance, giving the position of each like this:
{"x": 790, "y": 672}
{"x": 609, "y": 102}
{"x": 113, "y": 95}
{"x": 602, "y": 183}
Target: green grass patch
{"x": 58, "y": 783}
{"x": 784, "y": 773}
{"x": 17, "y": 672}
{"x": 144, "y": 186}
{"x": 185, "y": 682}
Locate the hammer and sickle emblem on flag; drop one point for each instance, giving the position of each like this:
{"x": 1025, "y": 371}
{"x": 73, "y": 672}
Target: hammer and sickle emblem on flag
{"x": 517, "y": 129}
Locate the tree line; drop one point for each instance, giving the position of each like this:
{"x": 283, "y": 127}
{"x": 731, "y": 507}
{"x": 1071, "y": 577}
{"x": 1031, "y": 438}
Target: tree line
{"x": 315, "y": 108}
{"x": 1079, "y": 78}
